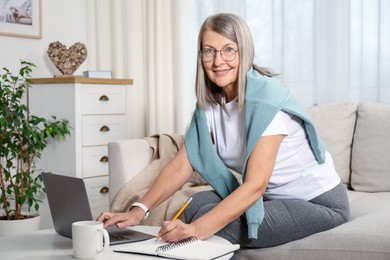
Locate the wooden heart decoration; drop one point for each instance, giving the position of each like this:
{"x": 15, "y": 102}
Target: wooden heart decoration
{"x": 67, "y": 60}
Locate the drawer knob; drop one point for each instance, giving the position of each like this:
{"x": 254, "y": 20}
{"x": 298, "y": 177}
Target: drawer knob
{"x": 104, "y": 98}
{"x": 104, "y": 190}
{"x": 104, "y": 128}
{"x": 104, "y": 159}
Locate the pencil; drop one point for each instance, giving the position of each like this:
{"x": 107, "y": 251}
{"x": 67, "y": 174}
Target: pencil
{"x": 179, "y": 212}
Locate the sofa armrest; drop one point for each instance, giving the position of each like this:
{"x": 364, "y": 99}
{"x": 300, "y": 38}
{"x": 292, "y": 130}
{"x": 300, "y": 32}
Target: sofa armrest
{"x": 126, "y": 159}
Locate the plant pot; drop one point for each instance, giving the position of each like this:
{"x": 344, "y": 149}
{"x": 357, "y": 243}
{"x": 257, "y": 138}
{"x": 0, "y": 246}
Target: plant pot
{"x": 21, "y": 226}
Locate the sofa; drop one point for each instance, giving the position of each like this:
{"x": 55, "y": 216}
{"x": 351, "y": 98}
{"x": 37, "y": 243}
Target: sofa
{"x": 358, "y": 137}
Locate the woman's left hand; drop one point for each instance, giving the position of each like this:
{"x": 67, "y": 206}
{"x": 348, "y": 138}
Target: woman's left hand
{"x": 176, "y": 230}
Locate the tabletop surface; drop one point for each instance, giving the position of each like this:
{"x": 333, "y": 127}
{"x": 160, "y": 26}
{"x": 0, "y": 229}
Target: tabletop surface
{"x": 46, "y": 244}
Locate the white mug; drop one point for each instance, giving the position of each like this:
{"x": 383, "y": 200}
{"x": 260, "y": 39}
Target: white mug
{"x": 87, "y": 239}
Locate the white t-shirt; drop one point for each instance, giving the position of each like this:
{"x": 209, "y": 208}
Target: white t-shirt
{"x": 296, "y": 173}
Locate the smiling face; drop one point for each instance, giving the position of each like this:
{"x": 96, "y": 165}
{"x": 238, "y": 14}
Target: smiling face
{"x": 222, "y": 73}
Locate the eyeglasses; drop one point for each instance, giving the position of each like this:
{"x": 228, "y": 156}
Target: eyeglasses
{"x": 208, "y": 54}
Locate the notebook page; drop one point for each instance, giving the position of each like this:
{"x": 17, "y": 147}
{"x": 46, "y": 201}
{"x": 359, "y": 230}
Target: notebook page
{"x": 147, "y": 247}
{"x": 200, "y": 250}
{"x": 192, "y": 251}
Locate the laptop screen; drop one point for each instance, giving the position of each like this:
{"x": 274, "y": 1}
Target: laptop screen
{"x": 68, "y": 201}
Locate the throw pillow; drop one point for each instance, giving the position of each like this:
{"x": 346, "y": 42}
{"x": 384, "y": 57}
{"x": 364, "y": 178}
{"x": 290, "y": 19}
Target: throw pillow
{"x": 335, "y": 124}
{"x": 370, "y": 151}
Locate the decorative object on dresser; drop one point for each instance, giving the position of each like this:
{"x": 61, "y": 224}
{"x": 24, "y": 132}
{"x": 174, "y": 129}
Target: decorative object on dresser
{"x": 97, "y": 112}
{"x": 105, "y": 74}
{"x": 23, "y": 137}
{"x": 67, "y": 60}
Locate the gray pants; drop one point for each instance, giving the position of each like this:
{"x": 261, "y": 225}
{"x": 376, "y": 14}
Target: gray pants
{"x": 285, "y": 220}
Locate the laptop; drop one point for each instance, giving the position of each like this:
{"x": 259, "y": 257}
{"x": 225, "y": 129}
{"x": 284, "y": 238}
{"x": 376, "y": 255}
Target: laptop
{"x": 68, "y": 203}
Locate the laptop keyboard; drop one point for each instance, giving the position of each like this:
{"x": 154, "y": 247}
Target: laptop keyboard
{"x": 114, "y": 237}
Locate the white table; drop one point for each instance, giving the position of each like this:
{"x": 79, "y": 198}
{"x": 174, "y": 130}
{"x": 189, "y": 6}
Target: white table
{"x": 47, "y": 244}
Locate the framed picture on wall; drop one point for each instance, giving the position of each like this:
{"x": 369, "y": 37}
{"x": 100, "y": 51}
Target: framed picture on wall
{"x": 21, "y": 18}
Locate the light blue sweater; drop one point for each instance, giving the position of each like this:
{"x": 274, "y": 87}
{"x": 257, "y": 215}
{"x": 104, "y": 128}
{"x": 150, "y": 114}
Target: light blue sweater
{"x": 264, "y": 98}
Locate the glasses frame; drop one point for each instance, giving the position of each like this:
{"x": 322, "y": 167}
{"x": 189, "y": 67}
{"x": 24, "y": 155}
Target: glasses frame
{"x": 215, "y": 54}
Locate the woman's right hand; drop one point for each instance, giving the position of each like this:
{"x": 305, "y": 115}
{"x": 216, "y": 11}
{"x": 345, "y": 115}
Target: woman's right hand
{"x": 122, "y": 219}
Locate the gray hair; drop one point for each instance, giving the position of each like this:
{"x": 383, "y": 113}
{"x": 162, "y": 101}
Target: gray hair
{"x": 235, "y": 29}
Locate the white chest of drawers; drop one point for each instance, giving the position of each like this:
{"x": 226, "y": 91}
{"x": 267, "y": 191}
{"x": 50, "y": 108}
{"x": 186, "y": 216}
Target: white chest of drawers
{"x": 96, "y": 110}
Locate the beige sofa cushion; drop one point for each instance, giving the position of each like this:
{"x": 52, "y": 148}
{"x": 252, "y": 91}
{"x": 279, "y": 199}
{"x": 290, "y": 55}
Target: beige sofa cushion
{"x": 370, "y": 152}
{"x": 335, "y": 124}
{"x": 363, "y": 237}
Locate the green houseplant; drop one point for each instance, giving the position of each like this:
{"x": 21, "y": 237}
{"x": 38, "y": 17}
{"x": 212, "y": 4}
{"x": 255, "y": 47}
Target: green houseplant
{"x": 22, "y": 139}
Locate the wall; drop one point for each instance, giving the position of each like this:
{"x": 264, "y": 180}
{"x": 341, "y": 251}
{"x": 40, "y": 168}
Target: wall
{"x": 63, "y": 21}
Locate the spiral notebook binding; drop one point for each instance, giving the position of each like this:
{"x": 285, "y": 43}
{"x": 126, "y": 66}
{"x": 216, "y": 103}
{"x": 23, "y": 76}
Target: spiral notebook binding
{"x": 174, "y": 245}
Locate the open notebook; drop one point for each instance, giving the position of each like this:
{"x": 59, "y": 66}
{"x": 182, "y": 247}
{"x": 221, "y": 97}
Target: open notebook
{"x": 189, "y": 248}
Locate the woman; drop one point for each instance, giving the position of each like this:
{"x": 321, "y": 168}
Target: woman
{"x": 245, "y": 120}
